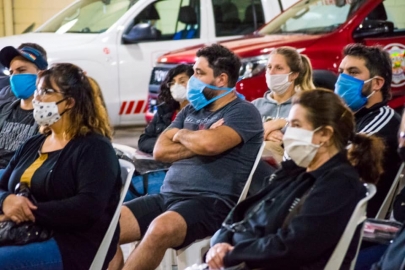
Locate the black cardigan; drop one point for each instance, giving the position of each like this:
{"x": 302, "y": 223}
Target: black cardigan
{"x": 78, "y": 198}
{"x": 309, "y": 238}
{"x": 161, "y": 120}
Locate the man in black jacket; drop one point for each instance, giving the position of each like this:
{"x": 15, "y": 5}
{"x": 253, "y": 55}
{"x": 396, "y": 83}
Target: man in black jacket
{"x": 364, "y": 84}
{"x": 17, "y": 123}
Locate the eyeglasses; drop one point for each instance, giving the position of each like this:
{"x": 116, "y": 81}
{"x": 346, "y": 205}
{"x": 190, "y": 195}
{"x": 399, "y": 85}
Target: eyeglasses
{"x": 46, "y": 91}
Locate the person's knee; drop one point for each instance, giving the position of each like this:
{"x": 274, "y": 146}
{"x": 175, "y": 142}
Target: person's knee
{"x": 169, "y": 227}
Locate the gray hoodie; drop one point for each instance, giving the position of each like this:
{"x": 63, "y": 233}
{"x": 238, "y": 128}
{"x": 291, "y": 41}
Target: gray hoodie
{"x": 268, "y": 107}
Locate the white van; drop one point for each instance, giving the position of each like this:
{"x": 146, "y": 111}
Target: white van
{"x": 118, "y": 41}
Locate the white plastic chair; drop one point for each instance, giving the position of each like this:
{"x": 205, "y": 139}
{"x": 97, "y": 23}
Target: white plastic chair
{"x": 396, "y": 187}
{"x": 193, "y": 253}
{"x": 358, "y": 217}
{"x": 127, "y": 170}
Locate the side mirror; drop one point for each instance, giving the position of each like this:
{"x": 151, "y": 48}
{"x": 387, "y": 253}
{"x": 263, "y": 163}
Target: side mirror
{"x": 140, "y": 32}
{"x": 371, "y": 28}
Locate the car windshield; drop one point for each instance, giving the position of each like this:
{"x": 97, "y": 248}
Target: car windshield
{"x": 88, "y": 16}
{"x": 313, "y": 17}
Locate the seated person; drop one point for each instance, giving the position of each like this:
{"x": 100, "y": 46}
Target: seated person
{"x": 212, "y": 143}
{"x": 298, "y": 219}
{"x": 6, "y": 94}
{"x": 72, "y": 171}
{"x": 288, "y": 72}
{"x": 171, "y": 99}
{"x": 364, "y": 84}
{"x": 393, "y": 257}
{"x": 17, "y": 123}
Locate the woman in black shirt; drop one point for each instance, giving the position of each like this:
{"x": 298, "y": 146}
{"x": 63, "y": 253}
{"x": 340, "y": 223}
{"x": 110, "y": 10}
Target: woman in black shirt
{"x": 72, "y": 172}
{"x": 171, "y": 99}
{"x": 298, "y": 219}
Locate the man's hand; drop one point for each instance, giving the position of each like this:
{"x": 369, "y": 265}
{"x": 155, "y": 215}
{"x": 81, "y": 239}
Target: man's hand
{"x": 216, "y": 254}
{"x": 18, "y": 208}
{"x": 209, "y": 142}
{"x": 275, "y": 136}
{"x": 218, "y": 123}
{"x": 272, "y": 125}
{"x": 167, "y": 149}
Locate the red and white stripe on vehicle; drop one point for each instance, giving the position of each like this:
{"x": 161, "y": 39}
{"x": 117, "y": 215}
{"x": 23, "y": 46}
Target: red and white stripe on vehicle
{"x": 133, "y": 107}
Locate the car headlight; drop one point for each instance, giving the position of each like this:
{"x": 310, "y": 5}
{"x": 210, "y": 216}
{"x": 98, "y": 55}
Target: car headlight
{"x": 253, "y": 66}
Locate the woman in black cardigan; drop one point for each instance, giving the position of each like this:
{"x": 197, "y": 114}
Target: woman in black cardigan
{"x": 171, "y": 99}
{"x": 298, "y": 219}
{"x": 72, "y": 172}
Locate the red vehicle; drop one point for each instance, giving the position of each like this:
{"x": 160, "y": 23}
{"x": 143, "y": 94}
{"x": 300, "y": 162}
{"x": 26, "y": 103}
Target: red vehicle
{"x": 319, "y": 29}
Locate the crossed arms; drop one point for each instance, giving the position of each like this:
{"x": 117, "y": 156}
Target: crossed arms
{"x": 175, "y": 144}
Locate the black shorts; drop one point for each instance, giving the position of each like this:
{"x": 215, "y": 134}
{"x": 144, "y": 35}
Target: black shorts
{"x": 203, "y": 215}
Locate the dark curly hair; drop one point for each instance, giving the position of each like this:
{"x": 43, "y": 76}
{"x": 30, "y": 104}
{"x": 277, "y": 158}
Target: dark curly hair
{"x": 378, "y": 62}
{"x": 222, "y": 60}
{"x": 165, "y": 96}
{"x": 88, "y": 113}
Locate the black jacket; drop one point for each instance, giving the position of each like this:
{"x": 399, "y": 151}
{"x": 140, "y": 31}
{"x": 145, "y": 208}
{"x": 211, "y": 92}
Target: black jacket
{"x": 384, "y": 122}
{"x": 161, "y": 120}
{"x": 275, "y": 239}
{"x": 393, "y": 258}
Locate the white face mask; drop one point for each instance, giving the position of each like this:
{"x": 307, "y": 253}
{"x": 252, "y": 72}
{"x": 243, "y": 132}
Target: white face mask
{"x": 298, "y": 145}
{"x": 278, "y": 83}
{"x": 179, "y": 92}
{"x": 46, "y": 113}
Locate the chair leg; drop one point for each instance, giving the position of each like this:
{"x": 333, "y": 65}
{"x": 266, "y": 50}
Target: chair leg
{"x": 168, "y": 261}
{"x": 192, "y": 254}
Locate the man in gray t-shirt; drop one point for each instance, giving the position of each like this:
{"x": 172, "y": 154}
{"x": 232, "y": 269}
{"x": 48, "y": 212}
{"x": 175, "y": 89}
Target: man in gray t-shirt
{"x": 212, "y": 143}
{"x": 224, "y": 174}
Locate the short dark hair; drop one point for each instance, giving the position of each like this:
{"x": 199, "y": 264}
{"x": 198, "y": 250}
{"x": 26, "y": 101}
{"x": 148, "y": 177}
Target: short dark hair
{"x": 36, "y": 47}
{"x": 165, "y": 94}
{"x": 378, "y": 62}
{"x": 222, "y": 60}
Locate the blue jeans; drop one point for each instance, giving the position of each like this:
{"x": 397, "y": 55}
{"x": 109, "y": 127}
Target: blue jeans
{"x": 35, "y": 256}
{"x": 369, "y": 255}
{"x": 1, "y": 172}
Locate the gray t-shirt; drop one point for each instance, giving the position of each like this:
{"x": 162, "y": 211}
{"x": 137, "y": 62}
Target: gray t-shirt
{"x": 222, "y": 176}
{"x": 270, "y": 108}
{"x": 18, "y": 127}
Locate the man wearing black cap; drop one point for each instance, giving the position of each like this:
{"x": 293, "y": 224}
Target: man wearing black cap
{"x": 17, "y": 123}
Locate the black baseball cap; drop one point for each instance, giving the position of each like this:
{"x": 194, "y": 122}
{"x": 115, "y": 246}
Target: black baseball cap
{"x": 8, "y": 53}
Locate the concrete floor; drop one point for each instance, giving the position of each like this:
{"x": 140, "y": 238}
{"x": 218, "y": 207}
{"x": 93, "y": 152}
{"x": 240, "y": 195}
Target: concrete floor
{"x": 128, "y": 135}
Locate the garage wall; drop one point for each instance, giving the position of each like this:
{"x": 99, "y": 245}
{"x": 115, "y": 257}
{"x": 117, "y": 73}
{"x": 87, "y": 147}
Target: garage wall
{"x": 25, "y": 12}
{"x": 1, "y": 19}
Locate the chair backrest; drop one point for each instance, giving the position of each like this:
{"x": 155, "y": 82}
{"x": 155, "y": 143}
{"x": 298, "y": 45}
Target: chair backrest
{"x": 127, "y": 170}
{"x": 252, "y": 172}
{"x": 126, "y": 150}
{"x": 188, "y": 16}
{"x": 395, "y": 188}
{"x": 249, "y": 17}
{"x": 358, "y": 217}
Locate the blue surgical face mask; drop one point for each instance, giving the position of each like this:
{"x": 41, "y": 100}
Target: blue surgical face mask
{"x": 23, "y": 85}
{"x": 195, "y": 95}
{"x": 350, "y": 90}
